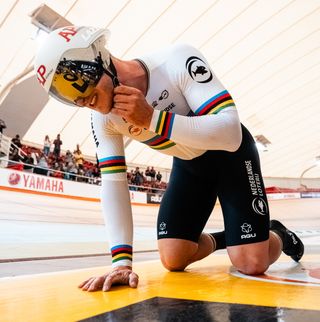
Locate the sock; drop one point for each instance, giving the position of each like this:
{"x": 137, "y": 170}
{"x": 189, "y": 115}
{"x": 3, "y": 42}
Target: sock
{"x": 220, "y": 239}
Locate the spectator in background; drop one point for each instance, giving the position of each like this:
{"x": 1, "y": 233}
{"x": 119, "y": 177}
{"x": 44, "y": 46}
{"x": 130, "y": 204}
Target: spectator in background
{"x": 15, "y": 157}
{"x": 28, "y": 162}
{"x": 68, "y": 157}
{"x": 2, "y": 125}
{"x": 15, "y": 143}
{"x": 57, "y": 170}
{"x": 138, "y": 177}
{"x": 130, "y": 177}
{"x": 78, "y": 157}
{"x": 64, "y": 167}
{"x": 88, "y": 174}
{"x": 80, "y": 177}
{"x": 152, "y": 174}
{"x": 131, "y": 180}
{"x": 159, "y": 176}
{"x": 157, "y": 186}
{"x": 57, "y": 147}
{"x": 72, "y": 170}
{"x": 42, "y": 165}
{"x": 147, "y": 174}
{"x": 46, "y": 145}
{"x": 96, "y": 174}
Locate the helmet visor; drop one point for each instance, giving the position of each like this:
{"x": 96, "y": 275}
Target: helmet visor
{"x": 75, "y": 79}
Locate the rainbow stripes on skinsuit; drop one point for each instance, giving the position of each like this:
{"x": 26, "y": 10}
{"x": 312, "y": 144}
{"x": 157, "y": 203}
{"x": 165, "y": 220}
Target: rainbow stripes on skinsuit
{"x": 165, "y": 123}
{"x": 215, "y": 104}
{"x": 121, "y": 252}
{"x": 114, "y": 164}
{"x": 159, "y": 143}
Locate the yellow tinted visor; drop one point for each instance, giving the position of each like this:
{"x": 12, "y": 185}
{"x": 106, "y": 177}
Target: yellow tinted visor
{"x": 75, "y": 79}
{"x": 69, "y": 89}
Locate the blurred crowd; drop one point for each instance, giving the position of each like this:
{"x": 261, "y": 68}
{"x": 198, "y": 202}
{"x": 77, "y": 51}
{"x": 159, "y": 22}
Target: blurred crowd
{"x": 149, "y": 181}
{"x": 51, "y": 161}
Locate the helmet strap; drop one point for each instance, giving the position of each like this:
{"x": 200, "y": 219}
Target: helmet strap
{"x": 111, "y": 71}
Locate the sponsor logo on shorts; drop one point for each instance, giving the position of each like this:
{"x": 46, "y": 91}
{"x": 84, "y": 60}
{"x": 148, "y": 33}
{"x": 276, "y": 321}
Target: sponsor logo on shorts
{"x": 247, "y": 229}
{"x": 259, "y": 206}
{"x": 198, "y": 70}
{"x": 254, "y": 180}
{"x": 162, "y": 228}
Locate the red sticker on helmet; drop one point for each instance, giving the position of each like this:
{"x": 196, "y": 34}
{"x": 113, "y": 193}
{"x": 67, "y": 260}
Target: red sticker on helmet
{"x": 40, "y": 74}
{"x": 68, "y": 32}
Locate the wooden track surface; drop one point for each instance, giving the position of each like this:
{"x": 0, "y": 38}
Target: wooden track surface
{"x": 41, "y": 226}
{"x": 55, "y": 297}
{"x": 21, "y": 206}
{"x": 208, "y": 283}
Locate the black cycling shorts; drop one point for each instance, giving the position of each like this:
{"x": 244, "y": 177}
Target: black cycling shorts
{"x": 194, "y": 185}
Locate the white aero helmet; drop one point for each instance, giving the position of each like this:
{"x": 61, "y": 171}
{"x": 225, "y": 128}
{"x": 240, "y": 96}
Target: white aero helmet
{"x": 71, "y": 61}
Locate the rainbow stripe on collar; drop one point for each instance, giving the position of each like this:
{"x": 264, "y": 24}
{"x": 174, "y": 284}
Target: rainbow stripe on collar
{"x": 215, "y": 104}
{"x": 113, "y": 164}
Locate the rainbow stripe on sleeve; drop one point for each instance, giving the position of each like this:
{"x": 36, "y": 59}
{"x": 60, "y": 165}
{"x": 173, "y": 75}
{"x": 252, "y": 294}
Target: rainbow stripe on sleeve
{"x": 121, "y": 252}
{"x": 159, "y": 143}
{"x": 215, "y": 104}
{"x": 113, "y": 164}
{"x": 165, "y": 123}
